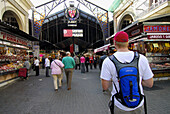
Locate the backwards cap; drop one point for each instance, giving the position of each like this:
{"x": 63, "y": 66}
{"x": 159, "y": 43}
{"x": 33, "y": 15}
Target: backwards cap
{"x": 121, "y": 37}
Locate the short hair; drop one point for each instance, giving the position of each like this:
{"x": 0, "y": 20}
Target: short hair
{"x": 121, "y": 44}
{"x": 57, "y": 56}
{"x": 68, "y": 53}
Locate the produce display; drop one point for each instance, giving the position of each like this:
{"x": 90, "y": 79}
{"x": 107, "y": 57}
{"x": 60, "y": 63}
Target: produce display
{"x": 11, "y": 59}
{"x": 10, "y": 67}
{"x": 158, "y": 55}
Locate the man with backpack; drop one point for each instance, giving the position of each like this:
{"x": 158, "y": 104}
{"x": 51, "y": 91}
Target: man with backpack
{"x": 126, "y": 71}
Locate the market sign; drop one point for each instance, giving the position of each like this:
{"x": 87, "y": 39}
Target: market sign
{"x": 73, "y": 32}
{"x": 156, "y": 28}
{"x": 158, "y": 36}
{"x": 72, "y": 14}
{"x": 11, "y": 38}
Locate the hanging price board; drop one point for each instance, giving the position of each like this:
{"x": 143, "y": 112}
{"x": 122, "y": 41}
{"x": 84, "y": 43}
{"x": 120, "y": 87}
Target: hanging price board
{"x": 155, "y": 45}
{"x": 167, "y": 45}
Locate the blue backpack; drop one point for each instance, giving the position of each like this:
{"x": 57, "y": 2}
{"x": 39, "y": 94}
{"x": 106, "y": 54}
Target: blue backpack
{"x": 128, "y": 77}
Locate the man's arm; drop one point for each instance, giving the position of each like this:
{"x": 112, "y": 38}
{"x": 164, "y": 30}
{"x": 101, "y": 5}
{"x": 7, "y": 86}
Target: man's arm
{"x": 148, "y": 83}
{"x": 106, "y": 84}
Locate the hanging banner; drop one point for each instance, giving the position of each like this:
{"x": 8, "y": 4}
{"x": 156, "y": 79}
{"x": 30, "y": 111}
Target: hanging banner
{"x": 76, "y": 48}
{"x": 71, "y": 48}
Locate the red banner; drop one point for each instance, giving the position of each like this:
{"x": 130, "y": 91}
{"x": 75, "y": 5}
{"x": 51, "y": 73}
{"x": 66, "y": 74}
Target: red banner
{"x": 71, "y": 48}
{"x": 156, "y": 28}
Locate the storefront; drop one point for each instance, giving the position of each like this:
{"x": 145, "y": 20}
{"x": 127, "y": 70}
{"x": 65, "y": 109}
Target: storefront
{"x": 153, "y": 40}
{"x": 103, "y": 48}
{"x": 15, "y": 46}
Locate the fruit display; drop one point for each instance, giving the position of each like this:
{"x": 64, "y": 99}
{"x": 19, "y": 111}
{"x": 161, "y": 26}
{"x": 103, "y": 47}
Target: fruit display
{"x": 10, "y": 67}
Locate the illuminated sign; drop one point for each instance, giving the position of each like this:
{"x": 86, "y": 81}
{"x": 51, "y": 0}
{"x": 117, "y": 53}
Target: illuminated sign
{"x": 156, "y": 28}
{"x": 73, "y": 32}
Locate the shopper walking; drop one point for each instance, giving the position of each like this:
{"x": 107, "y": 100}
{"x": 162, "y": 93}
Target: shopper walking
{"x": 36, "y": 64}
{"x": 87, "y": 63}
{"x": 56, "y": 71}
{"x": 47, "y": 66}
{"x": 95, "y": 61}
{"x": 69, "y": 65}
{"x": 91, "y": 61}
{"x": 27, "y": 65}
{"x": 101, "y": 59}
{"x": 114, "y": 73}
{"x": 82, "y": 60}
{"x": 43, "y": 62}
{"x": 77, "y": 61}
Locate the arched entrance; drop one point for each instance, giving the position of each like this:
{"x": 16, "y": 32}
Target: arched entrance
{"x": 40, "y": 13}
{"x": 11, "y": 18}
{"x": 126, "y": 20}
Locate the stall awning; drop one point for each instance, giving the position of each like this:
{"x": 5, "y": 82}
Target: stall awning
{"x": 13, "y": 30}
{"x": 103, "y": 48}
{"x": 114, "y": 5}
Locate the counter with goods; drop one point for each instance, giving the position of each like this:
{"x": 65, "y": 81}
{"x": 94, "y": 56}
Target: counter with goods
{"x": 158, "y": 55}
{"x": 152, "y": 39}
{"x": 11, "y": 60}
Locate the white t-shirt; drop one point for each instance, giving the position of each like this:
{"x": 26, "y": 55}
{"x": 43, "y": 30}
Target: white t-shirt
{"x": 47, "y": 62}
{"x": 108, "y": 72}
{"x": 36, "y": 62}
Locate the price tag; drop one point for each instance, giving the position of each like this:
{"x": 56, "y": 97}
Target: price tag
{"x": 167, "y": 45}
{"x": 155, "y": 45}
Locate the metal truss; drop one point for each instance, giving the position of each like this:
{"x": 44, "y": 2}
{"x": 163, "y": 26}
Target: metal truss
{"x": 40, "y": 13}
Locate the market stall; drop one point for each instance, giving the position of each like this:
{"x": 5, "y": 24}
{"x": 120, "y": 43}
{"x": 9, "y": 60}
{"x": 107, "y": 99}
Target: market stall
{"x": 153, "y": 40}
{"x": 103, "y": 48}
{"x": 15, "y": 46}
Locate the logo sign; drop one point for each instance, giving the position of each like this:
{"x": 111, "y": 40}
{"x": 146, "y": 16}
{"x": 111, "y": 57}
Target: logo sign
{"x": 72, "y": 13}
{"x": 157, "y": 28}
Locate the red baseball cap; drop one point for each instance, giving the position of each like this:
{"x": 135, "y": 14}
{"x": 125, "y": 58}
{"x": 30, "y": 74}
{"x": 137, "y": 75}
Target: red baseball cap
{"x": 121, "y": 36}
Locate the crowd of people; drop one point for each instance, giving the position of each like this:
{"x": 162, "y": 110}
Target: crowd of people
{"x": 123, "y": 70}
{"x": 65, "y": 63}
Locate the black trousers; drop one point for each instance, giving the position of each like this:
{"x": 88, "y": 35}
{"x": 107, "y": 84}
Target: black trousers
{"x": 47, "y": 71}
{"x": 77, "y": 65}
{"x": 37, "y": 70}
{"x": 87, "y": 67}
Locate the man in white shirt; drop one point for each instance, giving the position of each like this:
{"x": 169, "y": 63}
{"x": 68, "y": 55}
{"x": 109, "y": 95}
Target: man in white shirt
{"x": 47, "y": 66}
{"x": 36, "y": 63}
{"x": 109, "y": 73}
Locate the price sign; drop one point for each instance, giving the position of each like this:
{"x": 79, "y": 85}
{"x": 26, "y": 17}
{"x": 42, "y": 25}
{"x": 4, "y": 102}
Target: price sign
{"x": 155, "y": 45}
{"x": 167, "y": 45}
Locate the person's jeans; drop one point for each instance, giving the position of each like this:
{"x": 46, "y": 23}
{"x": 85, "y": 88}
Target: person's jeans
{"x": 82, "y": 67}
